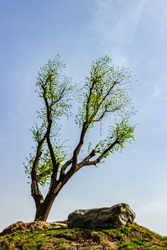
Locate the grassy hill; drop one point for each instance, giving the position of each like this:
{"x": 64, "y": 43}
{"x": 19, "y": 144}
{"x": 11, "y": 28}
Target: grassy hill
{"x": 45, "y": 235}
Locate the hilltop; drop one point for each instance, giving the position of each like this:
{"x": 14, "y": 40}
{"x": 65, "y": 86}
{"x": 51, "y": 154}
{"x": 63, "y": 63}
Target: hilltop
{"x": 45, "y": 235}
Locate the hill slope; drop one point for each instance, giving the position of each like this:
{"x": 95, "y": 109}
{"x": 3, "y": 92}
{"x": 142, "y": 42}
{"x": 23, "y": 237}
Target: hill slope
{"x": 45, "y": 235}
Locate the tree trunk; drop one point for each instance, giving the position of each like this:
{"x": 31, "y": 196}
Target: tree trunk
{"x": 42, "y": 213}
{"x": 44, "y": 208}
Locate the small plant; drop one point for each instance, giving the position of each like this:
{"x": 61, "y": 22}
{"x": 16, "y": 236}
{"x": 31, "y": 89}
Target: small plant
{"x": 41, "y": 244}
{"x": 61, "y": 241}
{"x": 52, "y": 238}
{"x": 136, "y": 228}
{"x": 138, "y": 241}
{"x": 8, "y": 238}
{"x": 127, "y": 244}
{"x": 126, "y": 230}
{"x": 119, "y": 233}
{"x": 147, "y": 233}
{"x": 19, "y": 237}
{"x": 64, "y": 248}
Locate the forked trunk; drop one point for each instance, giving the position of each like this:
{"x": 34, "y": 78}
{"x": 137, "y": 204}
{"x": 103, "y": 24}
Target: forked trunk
{"x": 44, "y": 208}
{"x": 42, "y": 214}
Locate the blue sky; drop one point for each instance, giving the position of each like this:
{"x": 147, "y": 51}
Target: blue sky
{"x": 133, "y": 34}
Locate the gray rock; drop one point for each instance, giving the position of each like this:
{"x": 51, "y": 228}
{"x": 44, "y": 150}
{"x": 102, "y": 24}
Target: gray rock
{"x": 107, "y": 217}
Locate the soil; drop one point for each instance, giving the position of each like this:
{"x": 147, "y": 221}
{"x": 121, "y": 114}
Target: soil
{"x": 56, "y": 235}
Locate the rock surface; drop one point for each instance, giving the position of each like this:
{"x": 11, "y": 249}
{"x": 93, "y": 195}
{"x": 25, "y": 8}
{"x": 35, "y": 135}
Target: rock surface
{"x": 116, "y": 216}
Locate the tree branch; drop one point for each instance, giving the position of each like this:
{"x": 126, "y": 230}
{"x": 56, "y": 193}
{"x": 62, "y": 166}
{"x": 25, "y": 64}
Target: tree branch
{"x": 90, "y": 94}
{"x": 55, "y": 165}
{"x": 65, "y": 166}
{"x": 78, "y": 148}
{"x": 102, "y": 155}
{"x": 84, "y": 129}
{"x": 60, "y": 97}
{"x": 83, "y": 163}
{"x": 85, "y": 125}
{"x": 98, "y": 106}
{"x": 106, "y": 111}
{"x": 108, "y": 92}
{"x": 40, "y": 176}
{"x": 35, "y": 192}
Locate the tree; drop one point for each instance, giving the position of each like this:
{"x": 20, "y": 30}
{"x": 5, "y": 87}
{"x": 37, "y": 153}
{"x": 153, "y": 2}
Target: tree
{"x": 104, "y": 93}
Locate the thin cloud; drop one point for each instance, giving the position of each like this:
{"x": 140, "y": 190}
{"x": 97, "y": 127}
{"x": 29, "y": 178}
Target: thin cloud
{"x": 157, "y": 91}
{"x": 117, "y": 25}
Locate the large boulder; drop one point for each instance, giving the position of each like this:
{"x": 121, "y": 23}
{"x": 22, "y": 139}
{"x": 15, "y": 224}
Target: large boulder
{"x": 107, "y": 217}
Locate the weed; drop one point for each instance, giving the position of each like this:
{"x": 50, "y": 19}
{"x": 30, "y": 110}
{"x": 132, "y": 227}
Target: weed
{"x": 42, "y": 244}
{"x": 8, "y": 238}
{"x": 156, "y": 243}
{"x": 118, "y": 233}
{"x": 61, "y": 241}
{"x": 64, "y": 248}
{"x": 126, "y": 230}
{"x": 165, "y": 243}
{"x": 136, "y": 228}
{"x": 138, "y": 241}
{"x": 147, "y": 233}
{"x": 127, "y": 244}
{"x": 53, "y": 238}
{"x": 147, "y": 239}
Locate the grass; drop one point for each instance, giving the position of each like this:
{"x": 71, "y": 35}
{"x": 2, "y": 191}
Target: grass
{"x": 130, "y": 237}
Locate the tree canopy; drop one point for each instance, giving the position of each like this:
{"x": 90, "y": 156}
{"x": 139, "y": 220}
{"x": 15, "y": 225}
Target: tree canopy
{"x": 104, "y": 94}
